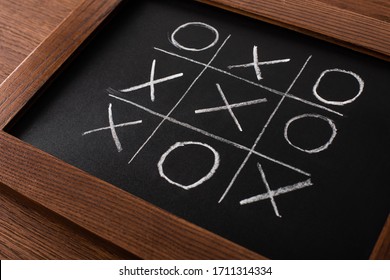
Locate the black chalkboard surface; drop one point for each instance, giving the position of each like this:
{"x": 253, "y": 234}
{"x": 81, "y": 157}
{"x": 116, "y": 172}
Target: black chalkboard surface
{"x": 274, "y": 140}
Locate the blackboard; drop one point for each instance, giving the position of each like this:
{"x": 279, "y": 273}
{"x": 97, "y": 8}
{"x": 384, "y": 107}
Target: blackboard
{"x": 269, "y": 138}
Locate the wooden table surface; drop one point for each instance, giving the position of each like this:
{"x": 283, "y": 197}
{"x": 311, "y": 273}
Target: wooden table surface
{"x": 27, "y": 230}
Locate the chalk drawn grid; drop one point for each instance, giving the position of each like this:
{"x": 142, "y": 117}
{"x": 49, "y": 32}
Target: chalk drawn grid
{"x": 252, "y": 150}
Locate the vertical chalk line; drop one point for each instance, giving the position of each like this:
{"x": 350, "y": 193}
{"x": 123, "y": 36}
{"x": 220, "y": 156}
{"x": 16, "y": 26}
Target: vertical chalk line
{"x": 152, "y": 71}
{"x": 205, "y": 133}
{"x": 262, "y": 133}
{"x": 229, "y": 108}
{"x": 256, "y": 63}
{"x": 270, "y": 194}
{"x": 274, "y": 91}
{"x": 112, "y": 128}
{"x": 180, "y": 100}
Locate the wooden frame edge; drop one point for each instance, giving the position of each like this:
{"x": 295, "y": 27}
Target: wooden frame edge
{"x": 381, "y": 250}
{"x": 317, "y": 19}
{"x": 107, "y": 211}
{"x": 18, "y": 89}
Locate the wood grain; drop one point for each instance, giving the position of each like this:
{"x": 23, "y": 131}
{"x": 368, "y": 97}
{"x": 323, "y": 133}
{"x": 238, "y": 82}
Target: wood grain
{"x": 324, "y": 20}
{"x": 378, "y": 9}
{"x": 30, "y": 229}
{"x": 382, "y": 247}
{"x": 39, "y": 234}
{"x": 50, "y": 55}
{"x": 24, "y": 25}
{"x": 111, "y": 213}
{"x": 27, "y": 231}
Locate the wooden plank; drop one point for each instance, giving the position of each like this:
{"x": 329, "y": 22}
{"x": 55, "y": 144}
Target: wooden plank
{"x": 382, "y": 247}
{"x": 49, "y": 56}
{"x": 322, "y": 20}
{"x": 39, "y": 234}
{"x": 24, "y": 25}
{"x": 115, "y": 215}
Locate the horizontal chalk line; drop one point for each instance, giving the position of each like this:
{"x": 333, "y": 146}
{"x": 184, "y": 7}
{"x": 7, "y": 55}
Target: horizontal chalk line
{"x": 154, "y": 82}
{"x": 235, "y": 105}
{"x": 277, "y": 192}
{"x": 108, "y": 127}
{"x": 259, "y": 63}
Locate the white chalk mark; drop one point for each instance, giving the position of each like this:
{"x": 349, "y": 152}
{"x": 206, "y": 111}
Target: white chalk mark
{"x": 180, "y": 100}
{"x": 108, "y": 127}
{"x": 252, "y": 83}
{"x": 277, "y": 192}
{"x": 112, "y": 127}
{"x": 338, "y": 103}
{"x": 201, "y": 180}
{"x": 270, "y": 62}
{"x": 316, "y": 150}
{"x": 152, "y": 82}
{"x": 152, "y": 71}
{"x": 148, "y": 84}
{"x": 269, "y": 192}
{"x": 235, "y": 105}
{"x": 200, "y": 24}
{"x": 113, "y": 131}
{"x": 262, "y": 133}
{"x": 256, "y": 63}
{"x": 208, "y": 134}
{"x": 229, "y": 108}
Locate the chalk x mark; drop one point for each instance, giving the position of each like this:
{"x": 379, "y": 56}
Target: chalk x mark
{"x": 277, "y": 192}
{"x": 256, "y": 63}
{"x": 112, "y": 127}
{"x": 151, "y": 84}
{"x": 270, "y": 194}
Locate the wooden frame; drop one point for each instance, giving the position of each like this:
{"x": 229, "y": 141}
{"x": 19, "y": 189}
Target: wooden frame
{"x": 115, "y": 215}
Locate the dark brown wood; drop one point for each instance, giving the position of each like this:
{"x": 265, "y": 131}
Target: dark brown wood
{"x": 324, "y": 20}
{"x": 99, "y": 209}
{"x": 24, "y": 25}
{"x": 105, "y": 210}
{"x": 50, "y": 55}
{"x": 382, "y": 247}
{"x": 39, "y": 234}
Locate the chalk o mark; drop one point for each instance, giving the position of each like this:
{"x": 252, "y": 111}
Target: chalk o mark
{"x": 200, "y": 181}
{"x": 200, "y": 24}
{"x": 338, "y": 103}
{"x": 316, "y": 150}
